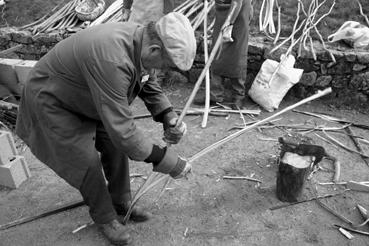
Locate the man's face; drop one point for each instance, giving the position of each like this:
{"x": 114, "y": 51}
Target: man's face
{"x": 154, "y": 57}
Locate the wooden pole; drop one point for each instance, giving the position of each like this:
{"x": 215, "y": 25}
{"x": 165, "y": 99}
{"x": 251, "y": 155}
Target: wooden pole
{"x": 207, "y": 75}
{"x": 213, "y": 53}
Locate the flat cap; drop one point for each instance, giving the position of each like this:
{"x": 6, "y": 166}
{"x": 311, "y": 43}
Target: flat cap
{"x": 178, "y": 37}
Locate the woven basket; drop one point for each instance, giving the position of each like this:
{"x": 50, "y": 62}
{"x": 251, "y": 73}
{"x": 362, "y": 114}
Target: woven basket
{"x": 89, "y": 10}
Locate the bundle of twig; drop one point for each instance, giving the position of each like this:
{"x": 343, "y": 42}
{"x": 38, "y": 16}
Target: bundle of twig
{"x": 63, "y": 18}
{"x": 305, "y": 27}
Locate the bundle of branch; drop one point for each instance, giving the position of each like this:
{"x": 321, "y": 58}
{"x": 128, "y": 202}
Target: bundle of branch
{"x": 62, "y": 18}
{"x": 196, "y": 12}
{"x": 305, "y": 27}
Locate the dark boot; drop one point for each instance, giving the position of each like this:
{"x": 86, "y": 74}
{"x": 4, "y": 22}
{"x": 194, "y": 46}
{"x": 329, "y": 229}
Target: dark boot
{"x": 137, "y": 215}
{"x": 115, "y": 233}
{"x": 216, "y": 91}
{"x": 237, "y": 103}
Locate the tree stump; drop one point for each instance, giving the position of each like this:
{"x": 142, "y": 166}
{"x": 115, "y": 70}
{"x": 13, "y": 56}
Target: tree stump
{"x": 292, "y": 173}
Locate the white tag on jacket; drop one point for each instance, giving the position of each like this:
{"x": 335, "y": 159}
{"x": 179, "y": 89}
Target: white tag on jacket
{"x": 145, "y": 78}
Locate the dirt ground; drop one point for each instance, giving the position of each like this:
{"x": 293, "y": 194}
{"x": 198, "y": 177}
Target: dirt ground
{"x": 206, "y": 209}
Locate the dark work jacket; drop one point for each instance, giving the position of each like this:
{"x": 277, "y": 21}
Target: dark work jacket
{"x": 232, "y": 61}
{"x": 89, "y": 78}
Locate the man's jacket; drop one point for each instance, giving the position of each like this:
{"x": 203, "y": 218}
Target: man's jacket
{"x": 89, "y": 78}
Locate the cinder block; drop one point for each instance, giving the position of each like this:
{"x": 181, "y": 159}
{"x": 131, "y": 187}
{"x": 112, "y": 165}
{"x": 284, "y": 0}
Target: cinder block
{"x": 22, "y": 69}
{"x": 7, "y": 147}
{"x": 14, "y": 173}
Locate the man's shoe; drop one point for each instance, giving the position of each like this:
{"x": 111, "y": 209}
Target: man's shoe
{"x": 115, "y": 233}
{"x": 201, "y": 101}
{"x": 137, "y": 214}
{"x": 237, "y": 103}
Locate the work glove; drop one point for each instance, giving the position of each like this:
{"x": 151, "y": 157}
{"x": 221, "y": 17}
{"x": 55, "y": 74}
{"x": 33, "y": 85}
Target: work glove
{"x": 173, "y": 133}
{"x": 125, "y": 14}
{"x": 227, "y": 33}
{"x": 174, "y": 165}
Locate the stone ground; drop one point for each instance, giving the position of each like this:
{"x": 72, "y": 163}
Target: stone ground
{"x": 207, "y": 209}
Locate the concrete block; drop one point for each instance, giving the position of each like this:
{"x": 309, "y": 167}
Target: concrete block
{"x": 7, "y": 147}
{"x": 14, "y": 173}
{"x": 22, "y": 70}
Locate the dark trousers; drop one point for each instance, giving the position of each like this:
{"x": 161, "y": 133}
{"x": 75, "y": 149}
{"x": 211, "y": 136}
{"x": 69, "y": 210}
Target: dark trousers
{"x": 217, "y": 91}
{"x": 99, "y": 195}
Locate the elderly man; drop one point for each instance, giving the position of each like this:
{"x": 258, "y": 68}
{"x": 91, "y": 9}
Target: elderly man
{"x": 76, "y": 103}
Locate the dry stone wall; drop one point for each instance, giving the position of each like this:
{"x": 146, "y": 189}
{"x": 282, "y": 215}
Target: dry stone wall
{"x": 348, "y": 76}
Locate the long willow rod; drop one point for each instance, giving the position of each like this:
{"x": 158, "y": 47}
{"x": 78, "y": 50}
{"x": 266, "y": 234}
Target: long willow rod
{"x": 206, "y": 68}
{"x": 240, "y": 132}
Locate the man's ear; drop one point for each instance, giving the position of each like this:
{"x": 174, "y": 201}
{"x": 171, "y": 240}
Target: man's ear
{"x": 155, "y": 49}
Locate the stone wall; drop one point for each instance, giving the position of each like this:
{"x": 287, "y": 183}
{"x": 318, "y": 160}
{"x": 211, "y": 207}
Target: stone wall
{"x": 348, "y": 77}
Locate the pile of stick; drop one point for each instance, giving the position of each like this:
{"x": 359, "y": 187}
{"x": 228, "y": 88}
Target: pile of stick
{"x": 59, "y": 18}
{"x": 192, "y": 9}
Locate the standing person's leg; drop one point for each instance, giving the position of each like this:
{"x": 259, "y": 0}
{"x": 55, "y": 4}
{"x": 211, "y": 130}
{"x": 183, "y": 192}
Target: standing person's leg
{"x": 238, "y": 92}
{"x": 116, "y": 169}
{"x": 96, "y": 196}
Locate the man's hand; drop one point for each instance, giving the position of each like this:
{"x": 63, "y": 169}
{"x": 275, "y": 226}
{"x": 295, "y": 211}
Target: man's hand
{"x": 171, "y": 163}
{"x": 227, "y": 33}
{"x": 125, "y": 14}
{"x": 173, "y": 133}
{"x": 185, "y": 171}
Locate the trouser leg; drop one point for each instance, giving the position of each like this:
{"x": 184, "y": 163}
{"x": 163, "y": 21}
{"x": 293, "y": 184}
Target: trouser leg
{"x": 96, "y": 195}
{"x": 116, "y": 167}
{"x": 216, "y": 88}
{"x": 238, "y": 88}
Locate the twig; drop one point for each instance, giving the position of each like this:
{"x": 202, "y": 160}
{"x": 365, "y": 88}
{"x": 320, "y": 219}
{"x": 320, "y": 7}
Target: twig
{"x": 362, "y": 13}
{"x": 241, "y": 178}
{"x": 303, "y": 201}
{"x": 344, "y": 146}
{"x": 341, "y": 217}
{"x": 357, "y": 144}
{"x": 82, "y": 227}
{"x": 352, "y": 230}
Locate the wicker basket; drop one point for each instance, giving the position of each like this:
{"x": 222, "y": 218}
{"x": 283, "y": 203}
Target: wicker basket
{"x": 89, "y": 10}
